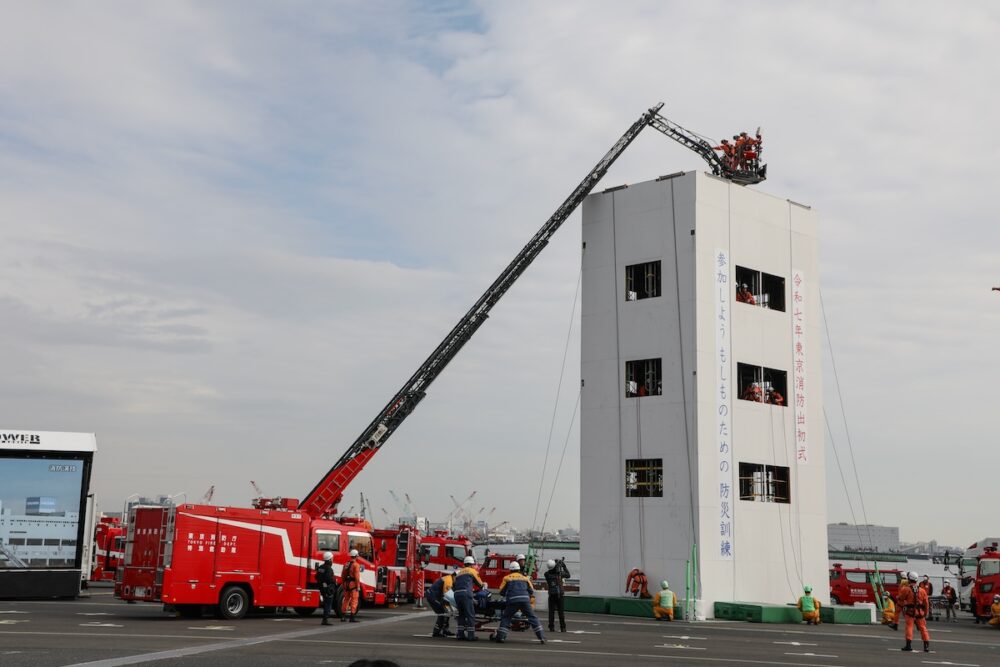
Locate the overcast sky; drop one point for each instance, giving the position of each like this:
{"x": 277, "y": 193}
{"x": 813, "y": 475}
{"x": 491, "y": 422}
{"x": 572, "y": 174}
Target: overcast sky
{"x": 229, "y": 231}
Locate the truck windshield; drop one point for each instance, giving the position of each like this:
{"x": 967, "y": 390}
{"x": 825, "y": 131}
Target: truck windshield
{"x": 989, "y": 566}
{"x": 363, "y": 543}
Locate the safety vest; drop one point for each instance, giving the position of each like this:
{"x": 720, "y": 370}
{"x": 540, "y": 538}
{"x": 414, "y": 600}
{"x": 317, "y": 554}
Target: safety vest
{"x": 808, "y": 603}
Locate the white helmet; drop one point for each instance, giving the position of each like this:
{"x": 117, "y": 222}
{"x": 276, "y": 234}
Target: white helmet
{"x": 912, "y": 575}
{"x": 327, "y": 556}
{"x": 947, "y": 582}
{"x": 514, "y": 567}
{"x": 550, "y": 563}
{"x": 353, "y": 553}
{"x": 469, "y": 560}
{"x": 519, "y": 557}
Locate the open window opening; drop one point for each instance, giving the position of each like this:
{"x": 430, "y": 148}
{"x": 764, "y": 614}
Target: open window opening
{"x": 764, "y": 483}
{"x": 642, "y": 281}
{"x": 761, "y": 384}
{"x": 643, "y": 478}
{"x": 642, "y": 378}
{"x": 757, "y": 288}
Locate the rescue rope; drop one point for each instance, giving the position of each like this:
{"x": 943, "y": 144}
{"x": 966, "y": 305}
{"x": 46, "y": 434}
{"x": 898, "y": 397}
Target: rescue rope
{"x": 569, "y": 432}
{"x": 843, "y": 480}
{"x": 618, "y": 351}
{"x": 555, "y": 408}
{"x": 781, "y": 525}
{"x": 847, "y": 431}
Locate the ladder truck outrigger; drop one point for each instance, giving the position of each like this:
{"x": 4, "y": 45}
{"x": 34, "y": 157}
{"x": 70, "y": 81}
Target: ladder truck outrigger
{"x": 233, "y": 559}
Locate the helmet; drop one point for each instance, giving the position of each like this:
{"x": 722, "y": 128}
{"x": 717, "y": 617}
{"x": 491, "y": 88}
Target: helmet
{"x": 926, "y": 577}
{"x": 996, "y": 598}
{"x": 550, "y": 563}
{"x": 664, "y": 584}
{"x": 947, "y": 582}
{"x": 912, "y": 576}
{"x": 353, "y": 553}
{"x": 327, "y": 556}
{"x": 514, "y": 567}
{"x": 519, "y": 557}
{"x": 469, "y": 560}
{"x": 807, "y": 588}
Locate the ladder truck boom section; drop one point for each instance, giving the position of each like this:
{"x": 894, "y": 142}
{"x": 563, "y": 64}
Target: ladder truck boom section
{"x": 325, "y": 496}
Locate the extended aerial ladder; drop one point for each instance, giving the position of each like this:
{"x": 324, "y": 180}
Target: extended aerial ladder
{"x": 326, "y": 495}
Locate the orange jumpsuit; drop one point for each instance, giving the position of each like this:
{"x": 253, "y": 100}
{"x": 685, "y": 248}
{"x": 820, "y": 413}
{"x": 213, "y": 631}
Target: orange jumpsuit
{"x": 351, "y": 578}
{"x": 995, "y": 609}
{"x": 889, "y": 612}
{"x": 663, "y": 604}
{"x": 914, "y": 604}
{"x": 636, "y": 584}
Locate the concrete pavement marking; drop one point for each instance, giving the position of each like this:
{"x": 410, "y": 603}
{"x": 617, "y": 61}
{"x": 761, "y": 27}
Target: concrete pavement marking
{"x": 796, "y": 643}
{"x": 93, "y": 613}
{"x": 738, "y": 661}
{"x": 582, "y": 632}
{"x": 98, "y": 624}
{"x": 955, "y": 664}
{"x": 685, "y": 637}
{"x": 227, "y": 628}
{"x": 13, "y": 621}
{"x": 813, "y": 655}
{"x": 235, "y": 643}
{"x": 561, "y": 641}
{"x": 14, "y": 612}
{"x": 683, "y": 647}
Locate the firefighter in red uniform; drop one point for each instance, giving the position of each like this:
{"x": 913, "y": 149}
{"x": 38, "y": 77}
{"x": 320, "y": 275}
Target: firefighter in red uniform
{"x": 637, "y": 584}
{"x": 913, "y": 604}
{"x": 743, "y": 295}
{"x": 351, "y": 578}
{"x": 728, "y": 152}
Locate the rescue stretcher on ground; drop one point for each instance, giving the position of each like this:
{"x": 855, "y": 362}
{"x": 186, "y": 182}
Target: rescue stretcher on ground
{"x": 488, "y": 611}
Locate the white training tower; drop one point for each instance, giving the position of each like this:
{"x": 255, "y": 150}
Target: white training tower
{"x": 679, "y": 462}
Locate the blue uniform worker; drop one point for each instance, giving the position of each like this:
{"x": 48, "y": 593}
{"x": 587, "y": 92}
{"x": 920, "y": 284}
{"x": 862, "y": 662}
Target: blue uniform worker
{"x": 519, "y": 594}
{"x": 435, "y": 598}
{"x": 465, "y": 584}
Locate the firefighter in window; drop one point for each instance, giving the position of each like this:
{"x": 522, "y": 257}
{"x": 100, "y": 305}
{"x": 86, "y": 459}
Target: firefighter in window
{"x": 743, "y": 295}
{"x": 753, "y": 392}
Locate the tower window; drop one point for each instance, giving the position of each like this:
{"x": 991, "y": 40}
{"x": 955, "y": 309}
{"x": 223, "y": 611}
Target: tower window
{"x": 643, "y": 478}
{"x": 762, "y": 385}
{"x": 757, "y": 288}
{"x": 764, "y": 484}
{"x": 642, "y": 378}
{"x": 642, "y": 281}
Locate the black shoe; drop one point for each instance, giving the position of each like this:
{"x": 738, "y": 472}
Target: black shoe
{"x": 907, "y": 647}
{"x": 447, "y": 633}
{"x": 562, "y": 629}
{"x": 353, "y": 620}
{"x": 471, "y": 638}
{"x": 436, "y": 633}
{"x": 551, "y": 629}
{"x": 927, "y": 647}
{"x": 541, "y": 640}
{"x": 325, "y": 622}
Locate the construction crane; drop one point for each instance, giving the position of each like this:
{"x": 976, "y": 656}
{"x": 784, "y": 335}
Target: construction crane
{"x": 324, "y": 498}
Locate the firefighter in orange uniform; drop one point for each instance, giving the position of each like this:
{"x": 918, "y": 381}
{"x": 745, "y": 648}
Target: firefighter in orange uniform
{"x": 637, "y": 584}
{"x": 743, "y": 295}
{"x": 663, "y": 603}
{"x": 350, "y": 577}
{"x": 995, "y": 610}
{"x": 809, "y": 606}
{"x": 889, "y": 615}
{"x": 913, "y": 603}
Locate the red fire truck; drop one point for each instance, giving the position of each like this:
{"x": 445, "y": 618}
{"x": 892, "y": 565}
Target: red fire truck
{"x": 235, "y": 558}
{"x": 398, "y": 556}
{"x": 109, "y": 548}
{"x": 443, "y": 553}
{"x": 987, "y": 582}
{"x": 854, "y": 584}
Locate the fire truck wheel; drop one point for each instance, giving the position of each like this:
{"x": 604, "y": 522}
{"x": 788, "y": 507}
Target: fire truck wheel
{"x": 233, "y": 603}
{"x": 304, "y": 611}
{"x": 188, "y": 610}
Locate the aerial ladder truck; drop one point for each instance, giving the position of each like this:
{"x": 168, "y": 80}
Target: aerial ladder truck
{"x": 234, "y": 559}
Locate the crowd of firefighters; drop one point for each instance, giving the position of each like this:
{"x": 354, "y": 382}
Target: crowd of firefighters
{"x": 743, "y": 154}
{"x": 464, "y": 591}
{"x": 755, "y": 392}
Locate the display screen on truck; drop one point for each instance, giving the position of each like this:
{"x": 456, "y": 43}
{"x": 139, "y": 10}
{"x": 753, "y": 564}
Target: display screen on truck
{"x": 40, "y": 509}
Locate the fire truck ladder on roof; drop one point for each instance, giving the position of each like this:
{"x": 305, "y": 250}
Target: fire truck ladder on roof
{"x": 326, "y": 495}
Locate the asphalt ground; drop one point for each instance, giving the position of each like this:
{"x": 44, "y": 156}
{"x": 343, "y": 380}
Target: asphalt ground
{"x": 100, "y": 630}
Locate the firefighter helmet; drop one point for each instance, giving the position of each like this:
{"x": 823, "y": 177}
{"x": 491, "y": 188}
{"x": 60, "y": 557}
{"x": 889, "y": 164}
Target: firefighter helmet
{"x": 469, "y": 560}
{"x": 327, "y": 556}
{"x": 996, "y": 598}
{"x": 353, "y": 553}
{"x": 514, "y": 567}
{"x": 550, "y": 563}
{"x": 912, "y": 575}
{"x": 519, "y": 557}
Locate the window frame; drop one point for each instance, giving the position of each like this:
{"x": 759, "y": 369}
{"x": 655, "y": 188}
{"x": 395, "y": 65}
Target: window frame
{"x": 644, "y": 478}
{"x": 652, "y": 280}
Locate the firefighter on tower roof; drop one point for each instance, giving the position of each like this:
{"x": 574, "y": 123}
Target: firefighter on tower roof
{"x": 327, "y": 586}
{"x": 913, "y": 604}
{"x": 637, "y": 584}
{"x": 555, "y": 578}
{"x": 351, "y": 578}
{"x": 519, "y": 594}
{"x": 465, "y": 584}
{"x": 664, "y": 602}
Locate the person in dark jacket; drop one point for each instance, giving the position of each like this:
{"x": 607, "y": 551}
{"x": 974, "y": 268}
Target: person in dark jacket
{"x": 555, "y": 578}
{"x": 435, "y": 598}
{"x": 465, "y": 584}
{"x": 519, "y": 594}
{"x": 327, "y": 586}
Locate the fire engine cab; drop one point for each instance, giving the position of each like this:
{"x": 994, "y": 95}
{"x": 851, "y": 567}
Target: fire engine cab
{"x": 109, "y": 548}
{"x": 849, "y": 585}
{"x": 987, "y": 583}
{"x": 443, "y": 553}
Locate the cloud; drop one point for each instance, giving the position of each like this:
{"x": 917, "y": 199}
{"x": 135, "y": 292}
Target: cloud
{"x": 231, "y": 234}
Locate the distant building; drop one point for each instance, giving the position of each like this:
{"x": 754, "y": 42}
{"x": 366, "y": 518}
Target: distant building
{"x": 866, "y": 537}
{"x": 41, "y": 506}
